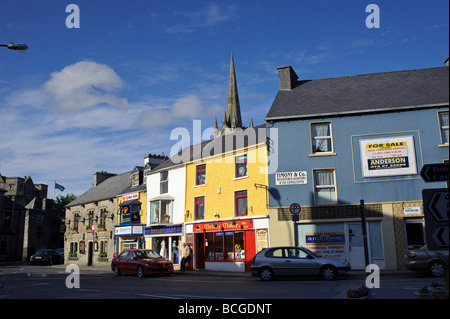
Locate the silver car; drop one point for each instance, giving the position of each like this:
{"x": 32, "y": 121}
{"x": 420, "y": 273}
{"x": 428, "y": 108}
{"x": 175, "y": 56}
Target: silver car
{"x": 423, "y": 259}
{"x": 289, "y": 261}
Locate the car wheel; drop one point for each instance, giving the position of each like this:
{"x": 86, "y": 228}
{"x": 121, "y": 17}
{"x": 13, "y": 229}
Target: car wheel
{"x": 140, "y": 272}
{"x": 328, "y": 272}
{"x": 116, "y": 270}
{"x": 437, "y": 269}
{"x": 266, "y": 274}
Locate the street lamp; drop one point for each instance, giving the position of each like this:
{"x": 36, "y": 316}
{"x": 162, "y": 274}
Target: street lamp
{"x": 22, "y": 47}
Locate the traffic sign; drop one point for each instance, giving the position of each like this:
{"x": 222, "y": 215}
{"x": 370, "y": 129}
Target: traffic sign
{"x": 295, "y": 208}
{"x": 435, "y": 204}
{"x": 93, "y": 227}
{"x": 438, "y": 172}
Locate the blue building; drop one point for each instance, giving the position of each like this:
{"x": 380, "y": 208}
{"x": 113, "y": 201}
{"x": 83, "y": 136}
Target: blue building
{"x": 346, "y": 139}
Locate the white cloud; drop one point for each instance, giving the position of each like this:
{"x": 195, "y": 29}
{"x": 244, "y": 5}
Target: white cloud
{"x": 189, "y": 106}
{"x": 84, "y": 85}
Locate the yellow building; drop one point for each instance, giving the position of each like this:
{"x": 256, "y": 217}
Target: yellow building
{"x": 226, "y": 213}
{"x": 131, "y": 214}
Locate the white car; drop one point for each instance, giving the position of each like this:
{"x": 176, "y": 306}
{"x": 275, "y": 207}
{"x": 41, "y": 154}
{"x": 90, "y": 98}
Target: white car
{"x": 291, "y": 261}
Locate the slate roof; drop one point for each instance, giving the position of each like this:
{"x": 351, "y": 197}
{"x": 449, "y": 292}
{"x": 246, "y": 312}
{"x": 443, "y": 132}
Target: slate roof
{"x": 109, "y": 188}
{"x": 377, "y": 92}
{"x": 216, "y": 146}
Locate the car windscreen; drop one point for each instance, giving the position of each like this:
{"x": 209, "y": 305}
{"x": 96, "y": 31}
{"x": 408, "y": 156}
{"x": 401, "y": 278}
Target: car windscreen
{"x": 145, "y": 254}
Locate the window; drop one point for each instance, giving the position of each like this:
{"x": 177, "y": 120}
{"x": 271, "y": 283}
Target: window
{"x": 164, "y": 184}
{"x": 200, "y": 175}
{"x": 224, "y": 246}
{"x": 443, "y": 126}
{"x": 102, "y": 220}
{"x": 200, "y": 207}
{"x": 161, "y": 212}
{"x": 130, "y": 213}
{"x": 324, "y": 186}
{"x": 240, "y": 203}
{"x": 241, "y": 166}
{"x": 321, "y": 138}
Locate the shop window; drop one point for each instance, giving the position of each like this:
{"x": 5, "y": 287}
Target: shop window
{"x": 443, "y": 127}
{"x": 321, "y": 138}
{"x": 324, "y": 186}
{"x": 200, "y": 175}
{"x": 240, "y": 200}
{"x": 130, "y": 213}
{"x": 414, "y": 231}
{"x": 200, "y": 207}
{"x": 161, "y": 212}
{"x": 241, "y": 166}
{"x": 224, "y": 246}
{"x": 164, "y": 183}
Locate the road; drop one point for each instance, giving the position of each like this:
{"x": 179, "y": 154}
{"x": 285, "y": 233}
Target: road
{"x": 24, "y": 281}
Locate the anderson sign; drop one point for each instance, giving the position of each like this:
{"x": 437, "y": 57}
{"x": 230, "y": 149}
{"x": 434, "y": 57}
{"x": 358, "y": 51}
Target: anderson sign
{"x": 388, "y": 156}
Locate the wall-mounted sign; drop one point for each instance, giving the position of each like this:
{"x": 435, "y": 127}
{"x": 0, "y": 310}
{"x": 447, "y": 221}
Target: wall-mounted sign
{"x": 291, "y": 178}
{"x": 130, "y": 196}
{"x": 128, "y": 230}
{"x": 388, "y": 156}
{"x": 328, "y": 245}
{"x": 227, "y": 225}
{"x": 163, "y": 230}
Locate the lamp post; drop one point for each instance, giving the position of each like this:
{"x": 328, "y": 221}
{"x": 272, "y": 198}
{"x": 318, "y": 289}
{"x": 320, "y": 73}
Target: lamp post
{"x": 22, "y": 47}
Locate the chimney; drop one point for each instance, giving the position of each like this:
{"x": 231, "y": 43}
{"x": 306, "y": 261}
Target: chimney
{"x": 100, "y": 177}
{"x": 287, "y": 77}
{"x": 154, "y": 159}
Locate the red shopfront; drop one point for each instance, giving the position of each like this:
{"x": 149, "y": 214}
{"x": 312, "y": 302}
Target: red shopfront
{"x": 224, "y": 245}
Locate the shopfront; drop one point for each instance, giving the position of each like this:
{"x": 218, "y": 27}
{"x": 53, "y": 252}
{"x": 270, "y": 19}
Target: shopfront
{"x": 344, "y": 241}
{"x": 129, "y": 237}
{"x": 228, "y": 245}
{"x": 165, "y": 240}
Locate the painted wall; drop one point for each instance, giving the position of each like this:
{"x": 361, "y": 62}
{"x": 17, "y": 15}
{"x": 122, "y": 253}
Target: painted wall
{"x": 221, "y": 184}
{"x": 294, "y": 147}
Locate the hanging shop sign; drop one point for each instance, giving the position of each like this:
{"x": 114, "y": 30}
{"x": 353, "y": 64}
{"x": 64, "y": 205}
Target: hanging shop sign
{"x": 390, "y": 156}
{"x": 226, "y": 225}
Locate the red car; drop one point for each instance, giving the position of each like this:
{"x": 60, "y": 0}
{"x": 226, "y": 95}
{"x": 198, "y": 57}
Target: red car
{"x": 141, "y": 262}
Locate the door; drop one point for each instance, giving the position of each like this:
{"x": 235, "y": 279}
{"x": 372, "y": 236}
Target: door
{"x": 356, "y": 246}
{"x": 250, "y": 248}
{"x": 90, "y": 253}
{"x": 199, "y": 251}
{"x": 298, "y": 262}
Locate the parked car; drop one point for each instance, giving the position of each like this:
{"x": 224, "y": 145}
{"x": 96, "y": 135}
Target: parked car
{"x": 423, "y": 259}
{"x": 46, "y": 256}
{"x": 141, "y": 262}
{"x": 290, "y": 261}
{"x": 60, "y": 252}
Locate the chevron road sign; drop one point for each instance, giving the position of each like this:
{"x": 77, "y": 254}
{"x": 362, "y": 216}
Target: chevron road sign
{"x": 435, "y": 204}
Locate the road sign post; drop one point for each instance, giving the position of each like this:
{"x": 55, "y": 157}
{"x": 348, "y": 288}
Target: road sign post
{"x": 295, "y": 209}
{"x": 435, "y": 205}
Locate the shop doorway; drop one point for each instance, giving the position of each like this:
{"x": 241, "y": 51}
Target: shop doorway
{"x": 250, "y": 248}
{"x": 199, "y": 251}
{"x": 356, "y": 246}
{"x": 90, "y": 253}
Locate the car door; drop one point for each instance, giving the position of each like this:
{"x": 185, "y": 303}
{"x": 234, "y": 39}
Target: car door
{"x": 299, "y": 262}
{"x": 122, "y": 261}
{"x": 277, "y": 260}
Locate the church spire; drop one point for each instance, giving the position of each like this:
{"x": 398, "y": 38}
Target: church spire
{"x": 233, "y": 112}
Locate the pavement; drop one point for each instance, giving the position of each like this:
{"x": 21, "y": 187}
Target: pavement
{"x": 202, "y": 272}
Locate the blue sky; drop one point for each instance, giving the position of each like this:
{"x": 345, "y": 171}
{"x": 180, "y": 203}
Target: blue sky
{"x": 102, "y": 96}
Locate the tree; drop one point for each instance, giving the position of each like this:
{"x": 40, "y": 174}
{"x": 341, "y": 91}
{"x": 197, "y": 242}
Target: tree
{"x": 62, "y": 201}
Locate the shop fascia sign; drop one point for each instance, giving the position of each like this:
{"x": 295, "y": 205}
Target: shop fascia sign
{"x": 130, "y": 196}
{"x": 128, "y": 230}
{"x": 224, "y": 225}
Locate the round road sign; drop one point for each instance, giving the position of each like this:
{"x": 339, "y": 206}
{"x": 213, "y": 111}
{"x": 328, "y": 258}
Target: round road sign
{"x": 93, "y": 227}
{"x": 295, "y": 208}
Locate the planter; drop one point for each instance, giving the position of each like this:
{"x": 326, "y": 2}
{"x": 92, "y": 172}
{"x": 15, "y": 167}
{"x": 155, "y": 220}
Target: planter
{"x": 72, "y": 258}
{"x": 102, "y": 259}
{"x": 435, "y": 291}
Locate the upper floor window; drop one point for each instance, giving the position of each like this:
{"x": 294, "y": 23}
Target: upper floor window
{"x": 443, "y": 126}
{"x": 164, "y": 183}
{"x": 199, "y": 207}
{"x": 321, "y": 138}
{"x": 324, "y": 186}
{"x": 241, "y": 166}
{"x": 130, "y": 213}
{"x": 161, "y": 212}
{"x": 200, "y": 175}
{"x": 240, "y": 203}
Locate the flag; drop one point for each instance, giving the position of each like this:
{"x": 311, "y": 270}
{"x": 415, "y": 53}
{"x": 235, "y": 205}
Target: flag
{"x": 60, "y": 187}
